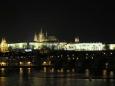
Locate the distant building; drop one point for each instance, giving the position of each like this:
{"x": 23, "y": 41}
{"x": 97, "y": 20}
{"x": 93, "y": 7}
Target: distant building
{"x": 4, "y": 46}
{"x": 77, "y": 39}
{"x": 112, "y": 46}
{"x": 43, "y": 41}
{"x": 14, "y": 46}
{"x": 41, "y": 37}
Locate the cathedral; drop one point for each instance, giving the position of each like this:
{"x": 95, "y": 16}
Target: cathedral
{"x": 41, "y": 37}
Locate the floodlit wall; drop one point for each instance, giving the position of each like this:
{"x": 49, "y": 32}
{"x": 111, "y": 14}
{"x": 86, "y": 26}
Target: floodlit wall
{"x": 85, "y": 46}
{"x": 17, "y": 45}
{"x": 70, "y": 46}
{"x": 61, "y": 46}
{"x": 35, "y": 45}
{"x": 49, "y": 45}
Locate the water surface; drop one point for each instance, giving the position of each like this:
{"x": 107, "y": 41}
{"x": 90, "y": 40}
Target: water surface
{"x": 32, "y": 77}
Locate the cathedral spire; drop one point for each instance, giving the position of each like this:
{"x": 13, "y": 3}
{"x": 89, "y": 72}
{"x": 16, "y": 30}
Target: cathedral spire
{"x": 41, "y": 31}
{"x": 46, "y": 34}
{"x": 77, "y": 39}
{"x": 35, "y": 37}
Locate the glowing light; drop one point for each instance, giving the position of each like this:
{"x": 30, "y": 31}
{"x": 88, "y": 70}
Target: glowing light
{"x": 77, "y": 58}
{"x": 21, "y": 63}
{"x": 92, "y": 58}
{"x": 112, "y": 46}
{"x": 29, "y": 63}
{"x": 28, "y": 50}
{"x": 21, "y": 71}
{"x": 44, "y": 63}
{"x": 3, "y": 63}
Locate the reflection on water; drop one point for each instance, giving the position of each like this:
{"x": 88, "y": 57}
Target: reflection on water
{"x": 44, "y": 69}
{"x": 2, "y": 70}
{"x": 87, "y": 73}
{"x": 29, "y": 70}
{"x": 34, "y": 77}
{"x": 104, "y": 74}
{"x": 111, "y": 74}
{"x": 21, "y": 71}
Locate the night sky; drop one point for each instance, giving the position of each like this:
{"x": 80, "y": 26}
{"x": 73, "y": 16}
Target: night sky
{"x": 91, "y": 21}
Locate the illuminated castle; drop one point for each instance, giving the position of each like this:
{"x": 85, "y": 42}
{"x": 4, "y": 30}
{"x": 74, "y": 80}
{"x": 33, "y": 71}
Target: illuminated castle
{"x": 43, "y": 41}
{"x": 4, "y": 46}
{"x": 41, "y": 37}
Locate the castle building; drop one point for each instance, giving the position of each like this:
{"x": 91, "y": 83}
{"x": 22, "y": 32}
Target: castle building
{"x": 77, "y": 39}
{"x": 44, "y": 41}
{"x": 4, "y": 46}
{"x": 41, "y": 37}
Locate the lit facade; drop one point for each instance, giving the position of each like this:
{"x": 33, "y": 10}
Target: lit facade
{"x": 112, "y": 46}
{"x": 85, "y": 46}
{"x": 59, "y": 46}
{"x": 43, "y": 41}
{"x": 4, "y": 46}
{"x": 17, "y": 45}
{"x": 41, "y": 37}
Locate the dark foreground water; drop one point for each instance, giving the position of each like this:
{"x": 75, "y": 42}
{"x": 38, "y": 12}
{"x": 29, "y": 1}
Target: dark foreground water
{"x": 32, "y": 77}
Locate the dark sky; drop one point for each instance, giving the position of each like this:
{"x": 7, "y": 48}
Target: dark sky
{"x": 90, "y": 21}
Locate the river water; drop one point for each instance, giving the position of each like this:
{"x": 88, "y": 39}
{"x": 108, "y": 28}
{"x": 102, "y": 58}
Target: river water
{"x": 32, "y": 77}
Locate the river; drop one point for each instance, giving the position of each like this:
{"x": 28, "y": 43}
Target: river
{"x": 33, "y": 77}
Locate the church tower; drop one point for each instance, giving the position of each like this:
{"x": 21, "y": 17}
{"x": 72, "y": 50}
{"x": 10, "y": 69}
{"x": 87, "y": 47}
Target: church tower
{"x": 3, "y": 46}
{"x": 77, "y": 39}
{"x": 35, "y": 37}
{"x": 41, "y": 37}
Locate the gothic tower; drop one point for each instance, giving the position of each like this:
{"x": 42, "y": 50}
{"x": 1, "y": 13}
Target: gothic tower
{"x": 4, "y": 46}
{"x": 35, "y": 37}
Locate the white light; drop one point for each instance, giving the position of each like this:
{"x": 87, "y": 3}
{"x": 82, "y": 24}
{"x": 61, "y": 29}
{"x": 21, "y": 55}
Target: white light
{"x": 29, "y": 63}
{"x": 28, "y": 50}
{"x": 21, "y": 63}
{"x": 44, "y": 63}
{"x": 3, "y": 63}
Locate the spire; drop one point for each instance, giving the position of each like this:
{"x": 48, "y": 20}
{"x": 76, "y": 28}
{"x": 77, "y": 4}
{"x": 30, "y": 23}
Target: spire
{"x": 3, "y": 40}
{"x": 41, "y": 31}
{"x": 35, "y": 37}
{"x": 46, "y": 34}
{"x": 77, "y": 39}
